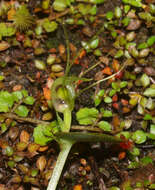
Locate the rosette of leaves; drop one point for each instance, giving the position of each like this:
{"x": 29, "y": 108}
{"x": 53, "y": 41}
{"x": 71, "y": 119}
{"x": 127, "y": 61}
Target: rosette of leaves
{"x": 22, "y": 19}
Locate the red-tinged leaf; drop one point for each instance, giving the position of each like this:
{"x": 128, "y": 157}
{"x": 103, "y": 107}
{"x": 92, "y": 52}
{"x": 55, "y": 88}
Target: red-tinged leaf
{"x": 107, "y": 71}
{"x": 41, "y": 163}
{"x": 121, "y": 155}
{"x": 76, "y": 61}
{"x": 116, "y": 65}
{"x": 52, "y": 50}
{"x": 61, "y": 49}
{"x": 20, "y": 37}
{"x": 127, "y": 145}
{"x": 119, "y": 75}
{"x": 124, "y": 102}
{"x": 82, "y": 54}
{"x": 116, "y": 121}
{"x": 47, "y": 93}
{"x": 115, "y": 98}
{"x": 126, "y": 110}
{"x": 115, "y": 105}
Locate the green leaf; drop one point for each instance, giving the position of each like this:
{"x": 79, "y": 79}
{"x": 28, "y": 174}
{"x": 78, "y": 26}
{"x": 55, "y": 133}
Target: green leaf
{"x": 142, "y": 45}
{"x": 22, "y": 111}
{"x": 96, "y": 1}
{"x": 49, "y": 26}
{"x": 94, "y": 43}
{"x": 6, "y": 30}
{"x": 152, "y": 186}
{"x": 125, "y": 21}
{"x": 6, "y": 101}
{"x": 119, "y": 54}
{"x": 123, "y": 84}
{"x": 107, "y": 100}
{"x": 145, "y": 15}
{"x": 152, "y": 129}
{"x": 109, "y": 15}
{"x": 3, "y": 127}
{"x": 114, "y": 188}
{"x": 98, "y": 97}
{"x": 17, "y": 95}
{"x": 135, "y": 3}
{"x": 104, "y": 125}
{"x": 115, "y": 85}
{"x": 139, "y": 137}
{"x": 60, "y": 5}
{"x": 146, "y": 160}
{"x": 97, "y": 100}
{"x": 151, "y": 41}
{"x": 135, "y": 151}
{"x": 126, "y": 134}
{"x": 2, "y": 77}
{"x": 147, "y": 117}
{"x": 25, "y": 93}
{"x": 145, "y": 80}
{"x": 118, "y": 12}
{"x": 29, "y": 100}
{"x": 150, "y": 92}
{"x": 107, "y": 113}
{"x": 42, "y": 134}
{"x": 86, "y": 116}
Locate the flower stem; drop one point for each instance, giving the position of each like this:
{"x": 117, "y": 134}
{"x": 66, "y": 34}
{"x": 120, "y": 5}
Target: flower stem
{"x": 62, "y": 157}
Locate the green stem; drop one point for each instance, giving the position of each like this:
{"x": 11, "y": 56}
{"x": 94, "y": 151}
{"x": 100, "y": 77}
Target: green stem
{"x": 90, "y": 68}
{"x": 99, "y": 81}
{"x": 62, "y": 157}
{"x": 68, "y": 51}
{"x": 67, "y": 120}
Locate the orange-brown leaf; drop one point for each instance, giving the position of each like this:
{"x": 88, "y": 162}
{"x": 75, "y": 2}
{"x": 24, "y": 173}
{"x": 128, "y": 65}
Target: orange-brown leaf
{"x": 107, "y": 71}
{"x": 47, "y": 93}
{"x": 41, "y": 163}
{"x": 24, "y": 136}
{"x": 115, "y": 65}
{"x": 121, "y": 155}
{"x": 11, "y": 13}
{"x": 4, "y": 45}
{"x": 77, "y": 187}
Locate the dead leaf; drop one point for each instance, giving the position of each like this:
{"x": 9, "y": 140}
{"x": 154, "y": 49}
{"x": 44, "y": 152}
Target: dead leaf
{"x": 41, "y": 163}
{"x": 4, "y": 45}
{"x": 24, "y": 136}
